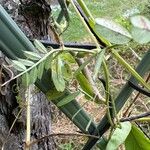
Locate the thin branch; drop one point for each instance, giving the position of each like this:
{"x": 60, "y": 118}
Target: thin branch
{"x": 61, "y": 134}
{"x": 12, "y": 127}
{"x": 85, "y": 25}
{"x": 135, "y": 99}
{"x": 44, "y": 58}
{"x": 132, "y": 118}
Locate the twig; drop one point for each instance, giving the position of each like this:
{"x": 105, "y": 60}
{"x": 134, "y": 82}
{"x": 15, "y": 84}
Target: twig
{"x": 135, "y": 99}
{"x": 45, "y": 57}
{"x": 85, "y": 25}
{"x": 61, "y": 134}
{"x": 11, "y": 128}
{"x": 132, "y": 118}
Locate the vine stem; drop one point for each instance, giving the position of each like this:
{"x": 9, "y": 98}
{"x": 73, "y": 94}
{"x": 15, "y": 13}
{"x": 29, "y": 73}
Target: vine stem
{"x": 94, "y": 40}
{"x": 85, "y": 25}
{"x": 135, "y": 99}
{"x": 98, "y": 48}
{"x": 28, "y": 124}
{"x": 107, "y": 91}
{"x": 62, "y": 134}
{"x": 130, "y": 69}
{"x": 45, "y": 57}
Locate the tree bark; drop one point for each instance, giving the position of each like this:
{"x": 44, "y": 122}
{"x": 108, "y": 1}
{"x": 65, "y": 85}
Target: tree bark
{"x": 32, "y": 17}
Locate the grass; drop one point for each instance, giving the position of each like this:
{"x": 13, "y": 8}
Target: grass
{"x": 114, "y": 9}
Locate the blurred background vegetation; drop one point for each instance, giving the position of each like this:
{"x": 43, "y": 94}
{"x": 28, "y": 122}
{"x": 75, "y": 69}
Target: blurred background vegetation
{"x": 115, "y": 9}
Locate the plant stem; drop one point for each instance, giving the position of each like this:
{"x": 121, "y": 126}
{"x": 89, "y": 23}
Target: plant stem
{"x": 85, "y": 25}
{"x": 45, "y": 57}
{"x": 86, "y": 11}
{"x": 107, "y": 91}
{"x": 137, "y": 117}
{"x": 134, "y": 100}
{"x": 28, "y": 124}
{"x": 130, "y": 69}
{"x": 62, "y": 134}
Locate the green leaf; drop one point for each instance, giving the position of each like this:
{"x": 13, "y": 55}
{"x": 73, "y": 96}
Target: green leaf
{"x": 84, "y": 84}
{"x": 40, "y": 47}
{"x": 57, "y": 77}
{"x": 84, "y": 65}
{"x": 99, "y": 60}
{"x": 141, "y": 29}
{"x": 26, "y": 79}
{"x": 60, "y": 66}
{"x": 68, "y": 99}
{"x": 112, "y": 31}
{"x": 119, "y": 136}
{"x": 140, "y": 35}
{"x": 67, "y": 57}
{"x": 26, "y": 62}
{"x": 33, "y": 75}
{"x": 66, "y": 72}
{"x": 136, "y": 140}
{"x": 140, "y": 22}
{"x": 40, "y": 70}
{"x": 18, "y": 65}
{"x": 32, "y": 55}
{"x": 48, "y": 61}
